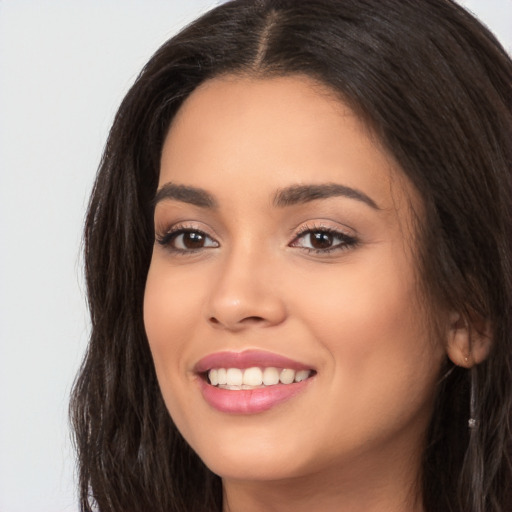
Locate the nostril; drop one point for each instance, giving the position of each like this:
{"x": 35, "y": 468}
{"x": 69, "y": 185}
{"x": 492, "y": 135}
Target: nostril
{"x": 253, "y": 319}
{"x": 249, "y": 320}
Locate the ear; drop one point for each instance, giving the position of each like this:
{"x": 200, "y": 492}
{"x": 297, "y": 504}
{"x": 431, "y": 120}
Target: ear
{"x": 469, "y": 343}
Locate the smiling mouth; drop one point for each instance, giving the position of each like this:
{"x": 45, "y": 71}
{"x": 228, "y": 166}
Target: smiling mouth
{"x": 255, "y": 377}
{"x": 251, "y": 381}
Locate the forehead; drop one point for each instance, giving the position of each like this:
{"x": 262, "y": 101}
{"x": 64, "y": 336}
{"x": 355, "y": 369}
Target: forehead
{"x": 264, "y": 134}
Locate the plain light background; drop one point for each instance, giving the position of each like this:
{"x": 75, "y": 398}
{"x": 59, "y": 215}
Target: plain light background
{"x": 64, "y": 68}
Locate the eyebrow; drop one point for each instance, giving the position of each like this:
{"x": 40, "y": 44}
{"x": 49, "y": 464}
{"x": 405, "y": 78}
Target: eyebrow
{"x": 300, "y": 194}
{"x": 185, "y": 194}
{"x": 289, "y": 196}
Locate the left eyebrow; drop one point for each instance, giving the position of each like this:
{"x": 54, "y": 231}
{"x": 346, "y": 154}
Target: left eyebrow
{"x": 300, "y": 194}
{"x": 185, "y": 194}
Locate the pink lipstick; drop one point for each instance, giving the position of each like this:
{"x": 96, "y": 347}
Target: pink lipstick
{"x": 246, "y": 359}
{"x": 250, "y": 382}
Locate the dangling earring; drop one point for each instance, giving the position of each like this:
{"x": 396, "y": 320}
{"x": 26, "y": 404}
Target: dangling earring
{"x": 472, "y": 422}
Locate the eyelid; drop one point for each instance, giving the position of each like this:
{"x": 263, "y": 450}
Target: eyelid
{"x": 167, "y": 227}
{"x": 348, "y": 241}
{"x": 165, "y": 236}
{"x": 323, "y": 225}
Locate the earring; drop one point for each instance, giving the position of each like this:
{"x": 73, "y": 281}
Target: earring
{"x": 472, "y": 422}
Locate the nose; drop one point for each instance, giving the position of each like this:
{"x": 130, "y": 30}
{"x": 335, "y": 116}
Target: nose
{"x": 246, "y": 293}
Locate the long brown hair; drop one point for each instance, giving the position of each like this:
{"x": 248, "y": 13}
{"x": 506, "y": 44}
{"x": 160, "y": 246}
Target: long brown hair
{"x": 436, "y": 88}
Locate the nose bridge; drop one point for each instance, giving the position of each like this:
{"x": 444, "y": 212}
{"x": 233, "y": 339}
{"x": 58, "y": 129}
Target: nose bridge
{"x": 245, "y": 291}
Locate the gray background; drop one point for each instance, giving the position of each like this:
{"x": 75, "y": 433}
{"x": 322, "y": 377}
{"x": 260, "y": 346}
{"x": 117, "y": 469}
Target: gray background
{"x": 64, "y": 67}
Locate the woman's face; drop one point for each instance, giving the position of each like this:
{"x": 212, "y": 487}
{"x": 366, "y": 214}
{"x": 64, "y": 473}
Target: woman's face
{"x": 285, "y": 242}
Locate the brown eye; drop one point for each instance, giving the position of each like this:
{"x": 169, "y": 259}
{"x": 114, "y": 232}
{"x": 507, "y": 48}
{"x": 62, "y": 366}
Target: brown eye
{"x": 187, "y": 240}
{"x": 321, "y": 240}
{"x": 192, "y": 240}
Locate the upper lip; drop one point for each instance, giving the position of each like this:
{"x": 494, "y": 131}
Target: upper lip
{"x": 247, "y": 359}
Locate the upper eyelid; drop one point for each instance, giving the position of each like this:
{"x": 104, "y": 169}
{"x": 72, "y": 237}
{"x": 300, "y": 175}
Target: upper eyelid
{"x": 323, "y": 225}
{"x": 336, "y": 232}
{"x": 313, "y": 229}
{"x": 180, "y": 230}
{"x": 167, "y": 238}
{"x": 304, "y": 228}
{"x": 166, "y": 228}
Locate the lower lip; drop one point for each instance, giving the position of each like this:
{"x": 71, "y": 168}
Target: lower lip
{"x": 250, "y": 401}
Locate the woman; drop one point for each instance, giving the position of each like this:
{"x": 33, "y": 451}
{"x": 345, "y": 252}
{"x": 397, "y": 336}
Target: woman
{"x": 298, "y": 256}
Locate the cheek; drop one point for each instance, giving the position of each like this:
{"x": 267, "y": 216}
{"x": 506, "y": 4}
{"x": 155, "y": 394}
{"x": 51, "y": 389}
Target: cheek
{"x": 368, "y": 318}
{"x": 362, "y": 303}
{"x": 172, "y": 301}
{"x": 170, "y": 312}
{"x": 168, "y": 321}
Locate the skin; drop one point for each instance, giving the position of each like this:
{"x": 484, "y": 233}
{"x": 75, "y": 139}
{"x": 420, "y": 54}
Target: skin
{"x": 352, "y": 441}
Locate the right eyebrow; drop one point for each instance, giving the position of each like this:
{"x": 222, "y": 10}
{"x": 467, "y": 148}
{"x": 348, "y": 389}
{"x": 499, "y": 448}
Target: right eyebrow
{"x": 185, "y": 194}
{"x": 300, "y": 194}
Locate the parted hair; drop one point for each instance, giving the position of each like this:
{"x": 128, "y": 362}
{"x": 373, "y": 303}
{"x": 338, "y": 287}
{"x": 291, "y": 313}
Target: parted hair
{"x": 435, "y": 87}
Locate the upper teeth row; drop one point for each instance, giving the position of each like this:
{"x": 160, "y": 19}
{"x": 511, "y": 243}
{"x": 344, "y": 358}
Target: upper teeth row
{"x": 255, "y": 376}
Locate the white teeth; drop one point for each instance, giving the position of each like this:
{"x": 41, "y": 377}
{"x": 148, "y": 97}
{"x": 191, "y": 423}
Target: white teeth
{"x": 236, "y": 378}
{"x": 301, "y": 375}
{"x": 287, "y": 376}
{"x": 221, "y": 376}
{"x": 253, "y": 377}
{"x": 270, "y": 376}
{"x": 213, "y": 375}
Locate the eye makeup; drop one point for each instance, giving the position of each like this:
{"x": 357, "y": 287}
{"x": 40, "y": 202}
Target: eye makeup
{"x": 313, "y": 239}
{"x": 323, "y": 240}
{"x": 183, "y": 239}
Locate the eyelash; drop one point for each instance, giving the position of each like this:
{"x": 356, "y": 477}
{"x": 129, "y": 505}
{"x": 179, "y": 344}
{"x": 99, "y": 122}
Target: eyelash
{"x": 347, "y": 241}
{"x": 166, "y": 240}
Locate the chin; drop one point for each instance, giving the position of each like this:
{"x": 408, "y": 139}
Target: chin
{"x": 252, "y": 459}
{"x": 258, "y": 469}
